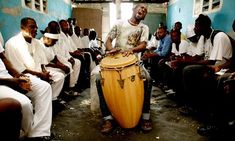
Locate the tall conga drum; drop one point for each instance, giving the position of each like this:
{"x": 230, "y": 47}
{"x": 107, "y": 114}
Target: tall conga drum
{"x": 123, "y": 88}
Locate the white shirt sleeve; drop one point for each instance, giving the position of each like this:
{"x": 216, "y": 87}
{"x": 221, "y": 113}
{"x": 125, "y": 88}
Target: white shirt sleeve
{"x": 14, "y": 56}
{"x": 1, "y": 40}
{"x": 222, "y": 48}
{"x": 145, "y": 34}
{"x": 1, "y": 47}
{"x": 183, "y": 47}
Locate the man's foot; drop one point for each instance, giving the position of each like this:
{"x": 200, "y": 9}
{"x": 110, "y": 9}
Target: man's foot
{"x": 44, "y": 138}
{"x": 187, "y": 111}
{"x": 71, "y": 93}
{"x": 170, "y": 93}
{"x": 207, "y": 130}
{"x": 146, "y": 125}
{"x": 107, "y": 126}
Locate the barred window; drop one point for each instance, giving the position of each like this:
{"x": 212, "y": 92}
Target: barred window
{"x": 38, "y": 5}
{"x": 206, "y": 6}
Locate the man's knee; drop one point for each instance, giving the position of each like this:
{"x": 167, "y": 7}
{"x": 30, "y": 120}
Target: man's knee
{"x": 9, "y": 104}
{"x": 10, "y": 118}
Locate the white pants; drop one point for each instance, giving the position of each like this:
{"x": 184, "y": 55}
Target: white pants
{"x": 58, "y": 81}
{"x": 39, "y": 123}
{"x": 75, "y": 74}
{"x": 74, "y": 70}
{"x": 93, "y": 64}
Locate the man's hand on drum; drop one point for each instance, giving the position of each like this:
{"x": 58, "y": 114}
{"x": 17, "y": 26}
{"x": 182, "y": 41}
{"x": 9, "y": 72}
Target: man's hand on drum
{"x": 126, "y": 52}
{"x": 113, "y": 51}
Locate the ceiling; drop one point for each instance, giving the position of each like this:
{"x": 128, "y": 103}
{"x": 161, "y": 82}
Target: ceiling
{"x": 108, "y": 1}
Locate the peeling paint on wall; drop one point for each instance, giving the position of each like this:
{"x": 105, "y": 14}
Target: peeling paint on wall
{"x": 12, "y": 11}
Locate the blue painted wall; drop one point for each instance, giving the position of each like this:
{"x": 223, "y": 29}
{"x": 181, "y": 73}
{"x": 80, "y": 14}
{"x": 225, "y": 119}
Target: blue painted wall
{"x": 11, "y": 12}
{"x": 182, "y": 10}
{"x": 153, "y": 20}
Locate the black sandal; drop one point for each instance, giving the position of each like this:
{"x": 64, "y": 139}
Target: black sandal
{"x": 146, "y": 125}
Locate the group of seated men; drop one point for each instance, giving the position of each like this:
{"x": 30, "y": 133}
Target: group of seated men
{"x": 196, "y": 69}
{"x": 36, "y": 72}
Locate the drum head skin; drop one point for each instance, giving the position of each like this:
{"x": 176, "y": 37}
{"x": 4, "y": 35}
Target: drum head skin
{"x": 117, "y": 60}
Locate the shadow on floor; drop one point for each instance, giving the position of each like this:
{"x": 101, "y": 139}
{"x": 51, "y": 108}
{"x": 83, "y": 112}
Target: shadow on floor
{"x": 78, "y": 123}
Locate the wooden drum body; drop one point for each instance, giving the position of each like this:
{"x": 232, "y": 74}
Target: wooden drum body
{"x": 123, "y": 88}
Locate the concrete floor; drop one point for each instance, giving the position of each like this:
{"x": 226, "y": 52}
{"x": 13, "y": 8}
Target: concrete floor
{"x": 78, "y": 123}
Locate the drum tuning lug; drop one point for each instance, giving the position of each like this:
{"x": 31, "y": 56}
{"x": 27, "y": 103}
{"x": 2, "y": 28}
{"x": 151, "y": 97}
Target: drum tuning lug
{"x": 141, "y": 77}
{"x": 102, "y": 81}
{"x": 121, "y": 83}
{"x": 132, "y": 78}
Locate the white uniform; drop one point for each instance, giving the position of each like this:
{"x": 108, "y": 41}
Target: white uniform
{"x": 79, "y": 44}
{"x": 196, "y": 48}
{"x": 183, "y": 48}
{"x": 73, "y": 75}
{"x": 78, "y": 41}
{"x": 1, "y": 39}
{"x": 24, "y": 56}
{"x": 33, "y": 124}
{"x": 62, "y": 52}
{"x": 153, "y": 42}
{"x": 85, "y": 41}
{"x": 221, "y": 49}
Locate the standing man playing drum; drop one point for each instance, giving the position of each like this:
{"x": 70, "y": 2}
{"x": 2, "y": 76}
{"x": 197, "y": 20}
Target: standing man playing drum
{"x": 131, "y": 37}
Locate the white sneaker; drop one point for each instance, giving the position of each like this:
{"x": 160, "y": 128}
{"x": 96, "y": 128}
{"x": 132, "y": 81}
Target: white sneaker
{"x": 169, "y": 91}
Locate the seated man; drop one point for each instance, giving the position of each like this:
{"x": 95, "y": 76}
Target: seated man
{"x": 36, "y": 111}
{"x": 10, "y": 119}
{"x": 163, "y": 51}
{"x": 25, "y": 53}
{"x": 49, "y": 39}
{"x": 132, "y": 38}
{"x": 198, "y": 77}
{"x": 222, "y": 103}
{"x": 178, "y": 27}
{"x": 67, "y": 42}
{"x": 62, "y": 53}
{"x": 180, "y": 51}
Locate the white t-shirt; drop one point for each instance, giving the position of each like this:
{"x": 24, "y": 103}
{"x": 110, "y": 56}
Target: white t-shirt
{"x": 23, "y": 55}
{"x": 78, "y": 41}
{"x": 221, "y": 49}
{"x": 183, "y": 48}
{"x": 128, "y": 36}
{"x": 48, "y": 51}
{"x": 59, "y": 50}
{"x": 93, "y": 43}
{"x": 196, "y": 48}
{"x": 3, "y": 71}
{"x": 67, "y": 42}
{"x": 85, "y": 41}
{"x": 1, "y": 39}
{"x": 153, "y": 42}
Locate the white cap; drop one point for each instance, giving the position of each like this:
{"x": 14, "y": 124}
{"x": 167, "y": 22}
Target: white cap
{"x": 190, "y": 31}
{"x": 52, "y": 36}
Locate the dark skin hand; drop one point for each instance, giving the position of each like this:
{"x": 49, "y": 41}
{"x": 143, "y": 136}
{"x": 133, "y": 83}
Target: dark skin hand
{"x": 71, "y": 60}
{"x": 44, "y": 75}
{"x": 16, "y": 84}
{"x": 55, "y": 63}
